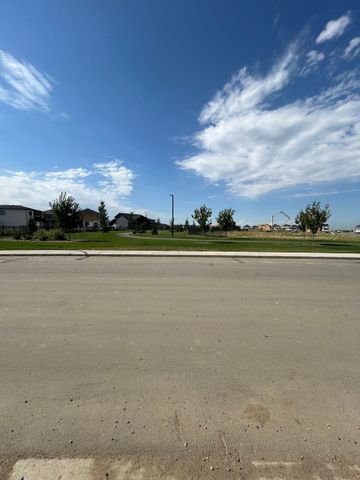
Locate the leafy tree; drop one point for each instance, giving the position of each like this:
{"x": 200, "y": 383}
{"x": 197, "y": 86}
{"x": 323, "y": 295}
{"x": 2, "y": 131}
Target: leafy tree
{"x": 313, "y": 217}
{"x": 143, "y": 227}
{"x": 103, "y": 217}
{"x": 31, "y": 226}
{"x": 155, "y": 228}
{"x": 131, "y": 221}
{"x": 67, "y": 213}
{"x": 226, "y": 219}
{"x": 301, "y": 221}
{"x": 202, "y": 215}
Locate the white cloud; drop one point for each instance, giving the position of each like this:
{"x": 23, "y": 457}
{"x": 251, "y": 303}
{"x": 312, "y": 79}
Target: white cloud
{"x": 325, "y": 193}
{"x": 254, "y": 148}
{"x": 118, "y": 177}
{"x": 276, "y": 19}
{"x": 70, "y": 173}
{"x": 22, "y": 86}
{"x": 334, "y": 28}
{"x": 313, "y": 58}
{"x": 353, "y": 49}
{"x": 244, "y": 91}
{"x": 106, "y": 181}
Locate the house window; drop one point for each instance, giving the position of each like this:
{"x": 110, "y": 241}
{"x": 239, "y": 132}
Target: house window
{"x": 2, "y": 211}
{"x": 30, "y": 213}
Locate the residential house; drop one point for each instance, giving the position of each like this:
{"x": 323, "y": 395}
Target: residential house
{"x": 48, "y": 219}
{"x": 16, "y": 217}
{"x": 90, "y": 218}
{"x": 131, "y": 220}
{"x": 264, "y": 227}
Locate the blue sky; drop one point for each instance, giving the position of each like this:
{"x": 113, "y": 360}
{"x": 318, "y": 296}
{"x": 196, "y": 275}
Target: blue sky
{"x": 246, "y": 104}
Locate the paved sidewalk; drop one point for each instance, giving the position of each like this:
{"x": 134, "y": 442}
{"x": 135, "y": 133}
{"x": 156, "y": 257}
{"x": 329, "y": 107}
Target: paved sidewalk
{"x": 176, "y": 253}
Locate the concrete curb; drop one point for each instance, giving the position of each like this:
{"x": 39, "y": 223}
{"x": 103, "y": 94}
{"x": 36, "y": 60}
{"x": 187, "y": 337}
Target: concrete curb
{"x": 174, "y": 253}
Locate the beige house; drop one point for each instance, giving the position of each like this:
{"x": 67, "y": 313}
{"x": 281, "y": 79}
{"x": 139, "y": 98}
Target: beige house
{"x": 264, "y": 227}
{"x": 90, "y": 218}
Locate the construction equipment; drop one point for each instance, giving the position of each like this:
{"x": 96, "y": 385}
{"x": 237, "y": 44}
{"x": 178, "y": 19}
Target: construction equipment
{"x": 275, "y": 215}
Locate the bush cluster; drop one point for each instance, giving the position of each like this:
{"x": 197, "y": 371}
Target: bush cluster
{"x": 42, "y": 235}
{"x": 53, "y": 234}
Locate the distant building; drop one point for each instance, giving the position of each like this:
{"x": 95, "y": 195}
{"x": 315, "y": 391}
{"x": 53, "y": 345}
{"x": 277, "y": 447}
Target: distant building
{"x": 90, "y": 218}
{"x": 128, "y": 221}
{"x": 264, "y": 227}
{"x": 16, "y": 217}
{"x": 48, "y": 219}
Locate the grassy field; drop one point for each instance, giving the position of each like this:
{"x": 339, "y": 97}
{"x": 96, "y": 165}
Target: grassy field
{"x": 241, "y": 241}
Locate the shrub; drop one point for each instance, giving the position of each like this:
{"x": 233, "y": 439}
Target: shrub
{"x": 56, "y": 234}
{"x": 42, "y": 235}
{"x": 17, "y": 235}
{"x": 31, "y": 227}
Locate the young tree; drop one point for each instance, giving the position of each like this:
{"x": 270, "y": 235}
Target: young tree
{"x": 313, "y": 217}
{"x": 300, "y": 220}
{"x": 103, "y": 217}
{"x": 226, "y": 219}
{"x": 202, "y": 215}
{"x": 31, "y": 226}
{"x": 186, "y": 226}
{"x": 67, "y": 213}
{"x": 131, "y": 222}
{"x": 155, "y": 228}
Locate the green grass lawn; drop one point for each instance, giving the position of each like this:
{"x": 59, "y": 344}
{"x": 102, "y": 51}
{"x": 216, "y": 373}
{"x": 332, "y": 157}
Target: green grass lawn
{"x": 182, "y": 241}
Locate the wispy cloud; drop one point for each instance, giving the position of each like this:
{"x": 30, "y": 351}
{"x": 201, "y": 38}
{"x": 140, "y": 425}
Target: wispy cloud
{"x": 245, "y": 91}
{"x": 312, "y": 60}
{"x": 69, "y": 174}
{"x": 312, "y": 194}
{"x": 276, "y": 19}
{"x": 334, "y": 28}
{"x": 255, "y": 146}
{"x": 353, "y": 49}
{"x": 22, "y": 86}
{"x": 111, "y": 182}
{"x": 118, "y": 178}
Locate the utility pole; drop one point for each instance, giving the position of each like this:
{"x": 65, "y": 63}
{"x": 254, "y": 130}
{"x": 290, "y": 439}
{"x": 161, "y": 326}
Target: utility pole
{"x": 172, "y": 214}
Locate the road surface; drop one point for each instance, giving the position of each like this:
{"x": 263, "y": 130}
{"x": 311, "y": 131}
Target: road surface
{"x": 136, "y": 368}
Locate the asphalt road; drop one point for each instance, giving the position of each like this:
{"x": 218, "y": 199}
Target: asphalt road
{"x": 196, "y": 365}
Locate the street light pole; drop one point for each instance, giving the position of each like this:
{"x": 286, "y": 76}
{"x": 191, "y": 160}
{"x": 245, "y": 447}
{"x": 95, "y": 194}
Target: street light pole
{"x": 172, "y": 214}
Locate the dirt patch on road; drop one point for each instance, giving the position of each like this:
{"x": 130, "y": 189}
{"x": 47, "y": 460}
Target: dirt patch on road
{"x": 257, "y": 413}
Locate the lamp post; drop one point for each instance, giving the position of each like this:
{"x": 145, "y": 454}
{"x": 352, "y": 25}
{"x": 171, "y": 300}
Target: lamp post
{"x": 172, "y": 214}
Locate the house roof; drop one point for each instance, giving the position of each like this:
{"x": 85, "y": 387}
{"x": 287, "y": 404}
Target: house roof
{"x": 16, "y": 207}
{"x": 88, "y": 211}
{"x": 135, "y": 216}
